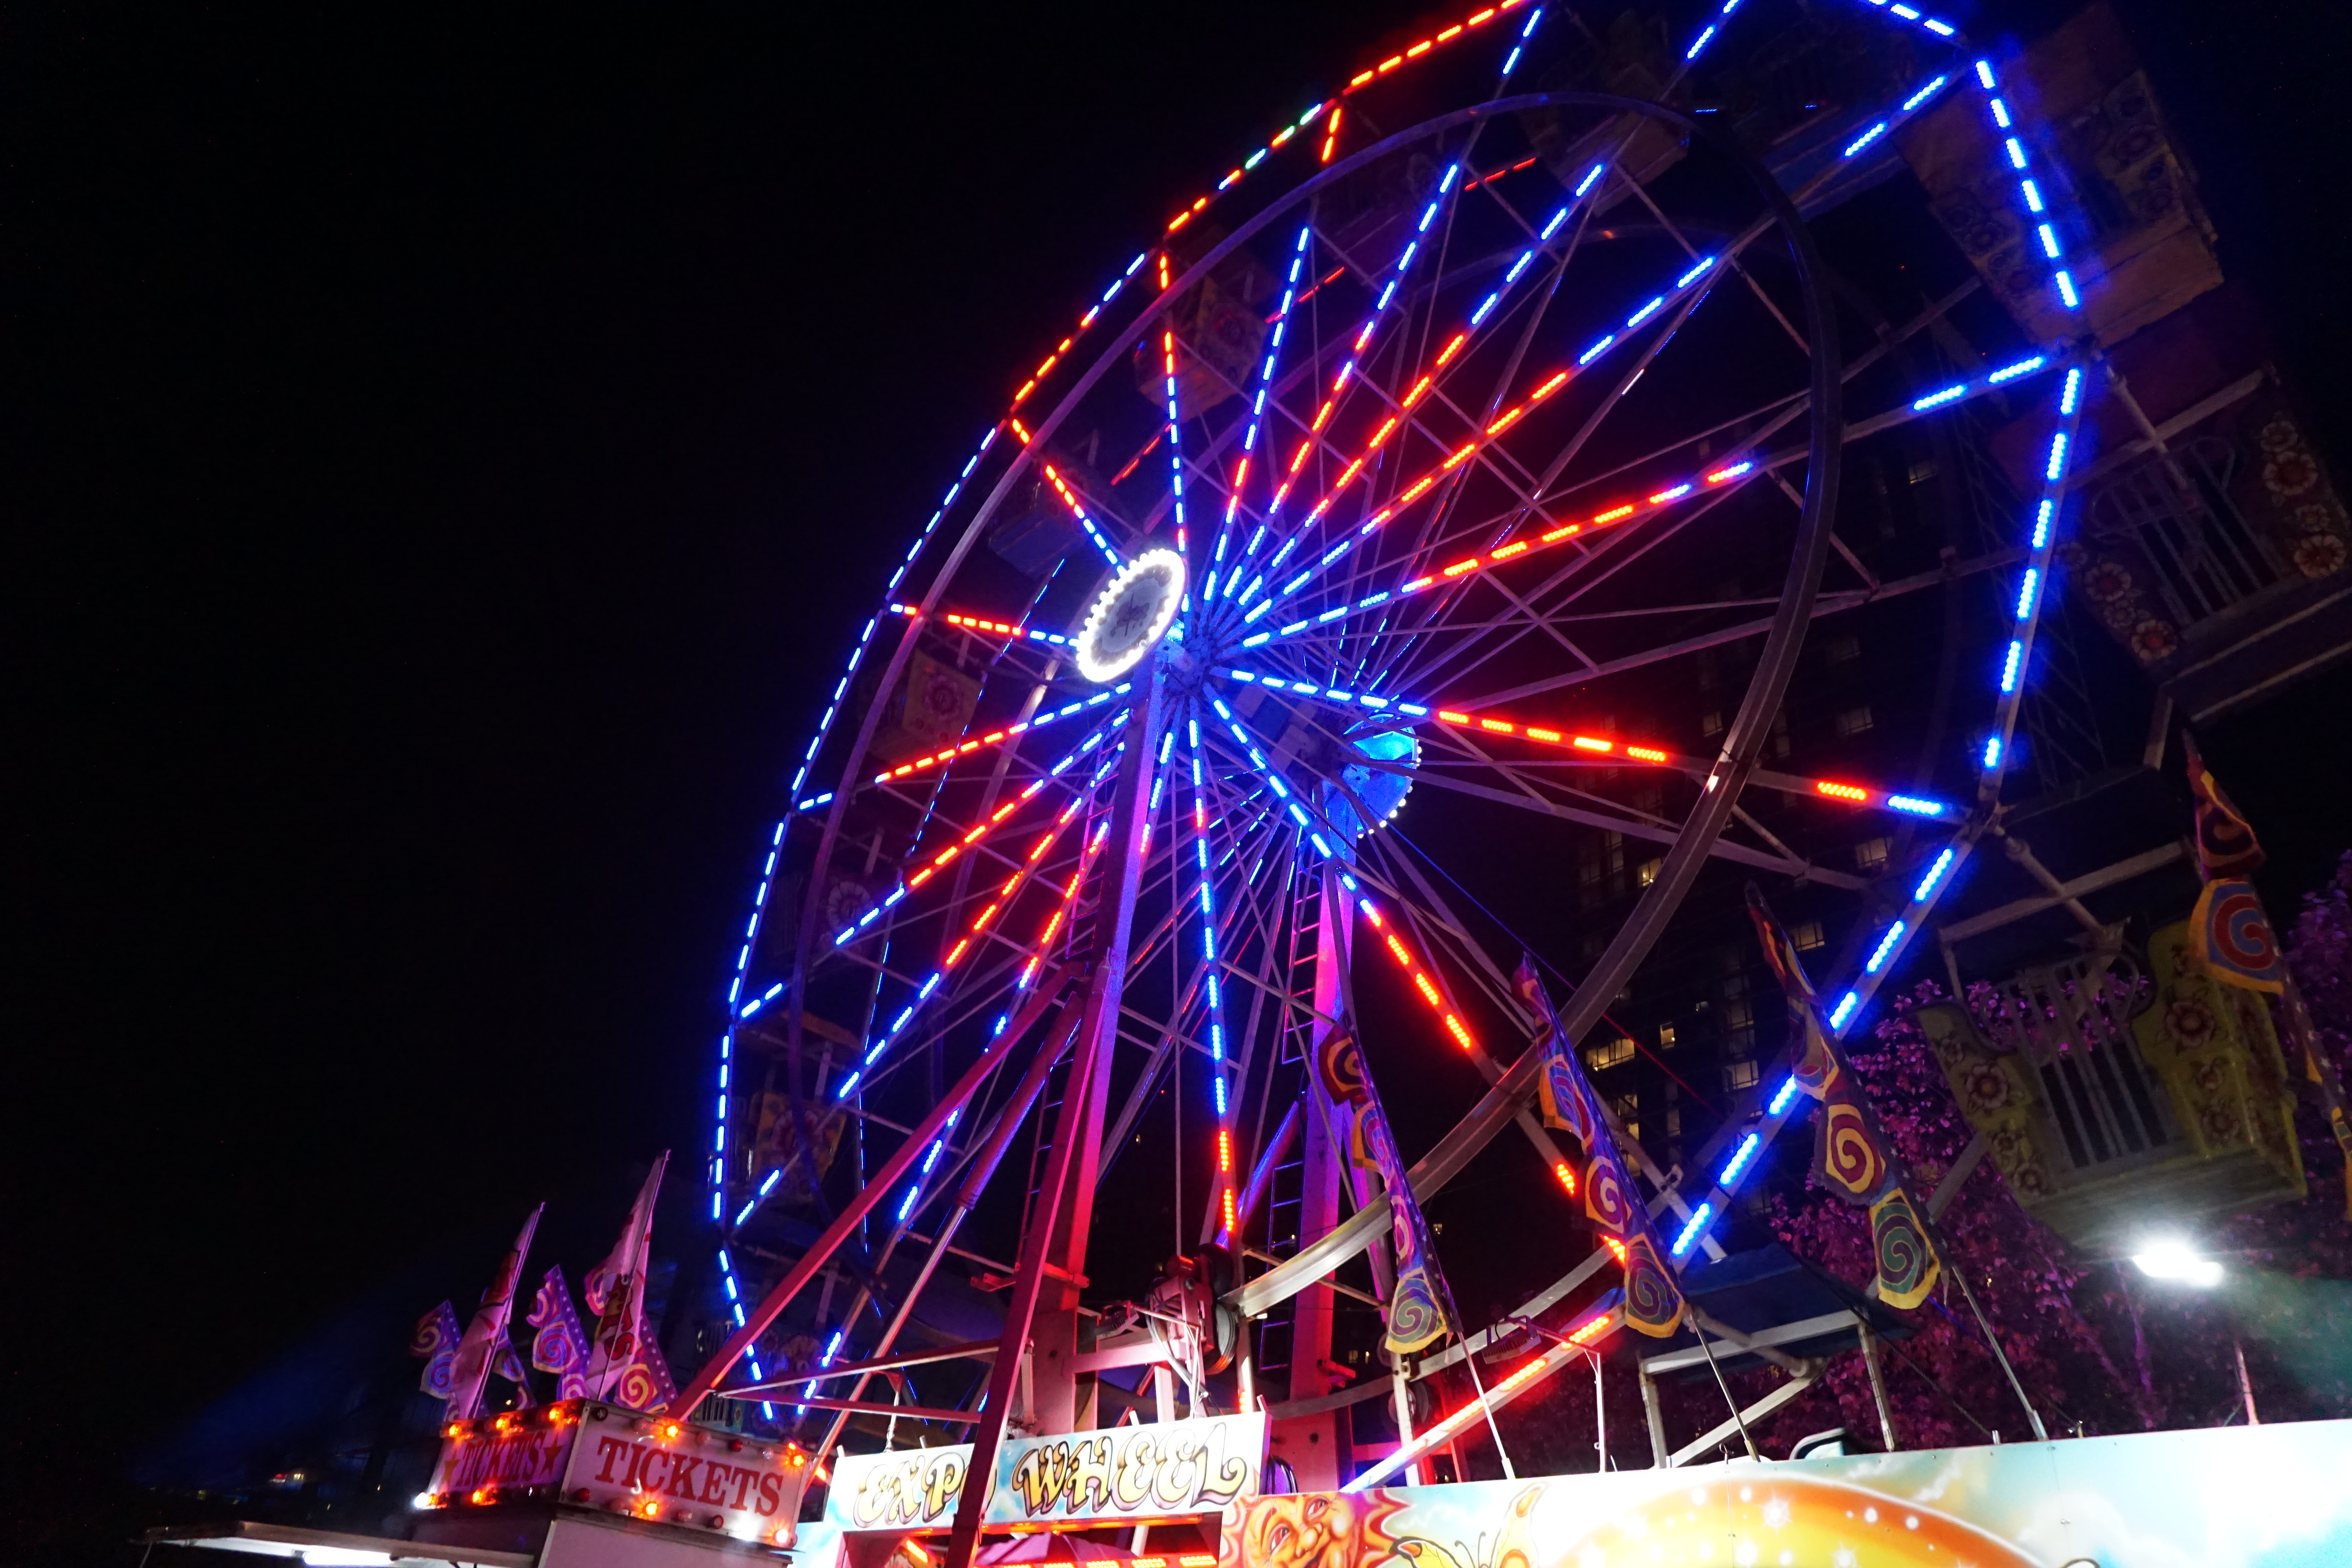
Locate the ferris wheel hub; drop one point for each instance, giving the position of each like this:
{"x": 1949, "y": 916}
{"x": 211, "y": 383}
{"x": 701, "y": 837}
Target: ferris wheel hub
{"x": 1132, "y": 615}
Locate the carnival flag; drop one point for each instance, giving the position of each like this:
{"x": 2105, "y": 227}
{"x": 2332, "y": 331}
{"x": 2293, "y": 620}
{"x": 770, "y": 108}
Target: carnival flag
{"x": 437, "y": 1342}
{"x": 616, "y": 1290}
{"x": 1653, "y": 1299}
{"x": 506, "y": 1364}
{"x": 560, "y": 1346}
{"x": 487, "y": 1333}
{"x": 1417, "y": 1316}
{"x": 2226, "y": 845}
{"x": 2230, "y": 935}
{"x": 646, "y": 1383}
{"x": 1851, "y": 1155}
{"x": 1815, "y": 1066}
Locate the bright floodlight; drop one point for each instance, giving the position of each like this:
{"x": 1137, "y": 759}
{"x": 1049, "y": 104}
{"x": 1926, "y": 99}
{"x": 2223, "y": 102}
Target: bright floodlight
{"x": 2171, "y": 1260}
{"x": 1131, "y": 616}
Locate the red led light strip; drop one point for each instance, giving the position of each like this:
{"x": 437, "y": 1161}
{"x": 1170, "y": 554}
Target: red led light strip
{"x": 1234, "y": 177}
{"x": 1468, "y": 449}
{"x": 1655, "y": 501}
{"x": 1825, "y": 789}
{"x": 1061, "y": 911}
{"x": 1474, "y": 180}
{"x": 949, "y": 755}
{"x": 1004, "y": 895}
{"x": 1420, "y": 981}
{"x": 1449, "y": 1426}
{"x": 979, "y": 624}
{"x": 1362, "y": 80}
{"x": 940, "y": 861}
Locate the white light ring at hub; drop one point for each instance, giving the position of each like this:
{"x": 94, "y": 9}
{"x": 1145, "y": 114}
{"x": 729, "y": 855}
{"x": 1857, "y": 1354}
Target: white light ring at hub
{"x": 1100, "y": 667}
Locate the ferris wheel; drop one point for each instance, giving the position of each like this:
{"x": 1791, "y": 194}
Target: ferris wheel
{"x": 1350, "y": 537}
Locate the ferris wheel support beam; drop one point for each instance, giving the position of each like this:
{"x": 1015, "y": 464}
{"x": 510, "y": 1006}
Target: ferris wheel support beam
{"x": 983, "y": 1169}
{"x": 877, "y": 1187}
{"x": 1054, "y": 1242}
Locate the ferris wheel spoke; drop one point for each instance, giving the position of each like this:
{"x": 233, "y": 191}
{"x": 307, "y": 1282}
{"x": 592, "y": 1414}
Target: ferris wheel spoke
{"x": 1825, "y": 604}
{"x": 1619, "y": 550}
{"x": 967, "y": 840}
{"x": 1483, "y": 434}
{"x": 1618, "y": 821}
{"x": 1641, "y": 194}
{"x": 1690, "y": 290}
{"x": 1399, "y": 406}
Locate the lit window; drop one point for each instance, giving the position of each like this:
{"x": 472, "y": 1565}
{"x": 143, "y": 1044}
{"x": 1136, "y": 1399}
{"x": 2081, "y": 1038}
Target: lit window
{"x": 1674, "y": 1121}
{"x": 1628, "y": 1108}
{"x": 1738, "y": 1075}
{"x": 1665, "y": 1037}
{"x": 1608, "y": 1054}
{"x": 1806, "y": 935}
{"x": 1737, "y": 1015}
{"x": 1648, "y": 871}
{"x": 1854, "y": 721}
{"x": 1710, "y": 724}
{"x": 1923, "y": 470}
{"x": 1870, "y": 855}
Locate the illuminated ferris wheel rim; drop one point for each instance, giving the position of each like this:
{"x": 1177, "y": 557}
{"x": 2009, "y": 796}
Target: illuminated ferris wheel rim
{"x": 1715, "y": 777}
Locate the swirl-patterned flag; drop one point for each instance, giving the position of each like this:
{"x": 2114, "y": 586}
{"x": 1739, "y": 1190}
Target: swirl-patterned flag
{"x": 634, "y": 1388}
{"x": 1816, "y": 1064}
{"x": 1654, "y": 1298}
{"x": 1610, "y": 1199}
{"x": 1340, "y": 1064}
{"x": 1847, "y": 1154}
{"x": 487, "y": 1331}
{"x": 1654, "y": 1302}
{"x": 1564, "y": 1105}
{"x": 645, "y": 1383}
{"x": 2230, "y": 935}
{"x": 435, "y": 1341}
{"x": 2226, "y": 845}
{"x": 506, "y": 1364}
{"x": 1416, "y": 1316}
{"x": 623, "y": 1290}
{"x": 560, "y": 1346}
{"x": 1906, "y": 1261}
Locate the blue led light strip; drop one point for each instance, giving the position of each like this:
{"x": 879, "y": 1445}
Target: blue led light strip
{"x": 1396, "y": 272}
{"x": 1696, "y": 275}
{"x": 923, "y": 992}
{"x": 1256, "y": 422}
{"x": 1209, "y": 968}
{"x": 1511, "y": 61}
{"x": 1310, "y": 830}
{"x": 2036, "y": 202}
{"x": 2016, "y": 658}
{"x": 907, "y": 885}
{"x": 1935, "y": 25}
{"x": 1942, "y": 872}
{"x": 1176, "y": 462}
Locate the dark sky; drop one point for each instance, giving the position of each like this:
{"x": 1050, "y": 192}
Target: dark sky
{"x": 449, "y": 456}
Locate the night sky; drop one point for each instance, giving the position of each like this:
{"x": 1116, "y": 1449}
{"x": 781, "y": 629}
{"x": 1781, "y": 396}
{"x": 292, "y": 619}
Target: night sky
{"x": 449, "y": 458}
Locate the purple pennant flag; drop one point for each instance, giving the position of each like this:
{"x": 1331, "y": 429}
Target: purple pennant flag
{"x": 560, "y": 1346}
{"x": 436, "y": 1342}
{"x": 506, "y": 1364}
